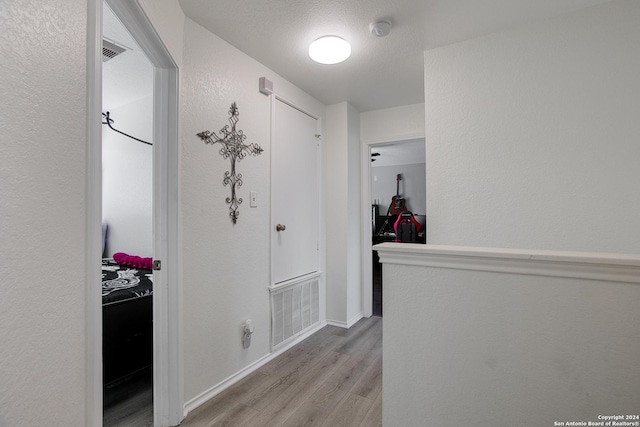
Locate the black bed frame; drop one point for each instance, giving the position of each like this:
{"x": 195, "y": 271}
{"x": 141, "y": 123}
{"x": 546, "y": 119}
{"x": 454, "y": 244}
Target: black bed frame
{"x": 127, "y": 338}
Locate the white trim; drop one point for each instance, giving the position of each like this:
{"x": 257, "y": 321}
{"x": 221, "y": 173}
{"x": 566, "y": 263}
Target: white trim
{"x": 168, "y": 386}
{"x": 167, "y": 355}
{"x": 367, "y": 233}
{"x": 294, "y": 106}
{"x": 577, "y": 265}
{"x": 366, "y": 218}
{"x": 272, "y": 107}
{"x": 292, "y": 282}
{"x": 397, "y": 139}
{"x": 225, "y": 384}
{"x": 93, "y": 243}
{"x": 346, "y": 325}
{"x": 322, "y": 233}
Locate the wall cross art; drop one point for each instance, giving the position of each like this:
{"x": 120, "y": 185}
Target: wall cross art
{"x": 235, "y": 149}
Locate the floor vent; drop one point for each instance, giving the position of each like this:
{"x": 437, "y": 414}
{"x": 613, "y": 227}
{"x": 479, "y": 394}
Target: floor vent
{"x": 110, "y": 50}
{"x": 294, "y": 309}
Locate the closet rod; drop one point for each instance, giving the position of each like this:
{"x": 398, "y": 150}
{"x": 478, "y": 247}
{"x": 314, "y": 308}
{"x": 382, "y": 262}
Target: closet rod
{"x": 110, "y": 120}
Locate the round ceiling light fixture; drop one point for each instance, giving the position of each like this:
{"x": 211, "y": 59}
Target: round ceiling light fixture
{"x": 330, "y": 50}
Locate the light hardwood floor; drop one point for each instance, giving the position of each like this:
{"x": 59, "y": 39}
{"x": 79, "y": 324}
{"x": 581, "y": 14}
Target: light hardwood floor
{"x": 129, "y": 404}
{"x": 332, "y": 379}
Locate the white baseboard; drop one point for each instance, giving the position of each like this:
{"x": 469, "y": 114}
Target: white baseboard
{"x": 297, "y": 339}
{"x": 346, "y": 325}
{"x": 224, "y": 384}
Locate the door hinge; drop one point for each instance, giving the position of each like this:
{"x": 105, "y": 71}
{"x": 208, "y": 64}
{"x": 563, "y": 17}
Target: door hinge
{"x": 157, "y": 264}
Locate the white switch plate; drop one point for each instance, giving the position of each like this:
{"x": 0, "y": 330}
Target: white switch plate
{"x": 253, "y": 199}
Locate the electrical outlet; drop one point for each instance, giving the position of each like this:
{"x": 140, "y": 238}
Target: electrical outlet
{"x": 247, "y": 330}
{"x": 246, "y": 340}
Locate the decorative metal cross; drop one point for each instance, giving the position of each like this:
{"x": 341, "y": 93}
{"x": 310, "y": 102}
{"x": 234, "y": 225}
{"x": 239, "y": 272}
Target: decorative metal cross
{"x": 234, "y": 148}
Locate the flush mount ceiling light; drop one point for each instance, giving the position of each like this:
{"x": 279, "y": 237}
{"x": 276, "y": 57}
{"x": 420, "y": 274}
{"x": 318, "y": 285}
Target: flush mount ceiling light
{"x": 329, "y": 50}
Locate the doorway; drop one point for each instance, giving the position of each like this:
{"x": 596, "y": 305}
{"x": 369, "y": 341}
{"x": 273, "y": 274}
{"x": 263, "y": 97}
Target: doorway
{"x": 127, "y": 226}
{"x": 165, "y": 307}
{"x": 394, "y": 180}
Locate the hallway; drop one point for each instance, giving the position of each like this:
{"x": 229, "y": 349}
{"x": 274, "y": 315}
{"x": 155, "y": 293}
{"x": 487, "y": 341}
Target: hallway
{"x": 333, "y": 378}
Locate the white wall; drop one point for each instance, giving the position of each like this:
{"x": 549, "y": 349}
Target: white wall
{"x": 127, "y": 172}
{"x": 43, "y": 208}
{"x": 532, "y": 135}
{"x": 42, "y": 212}
{"x": 168, "y": 20}
{"x": 392, "y": 124}
{"x": 337, "y": 223}
{"x": 226, "y": 266}
{"x": 499, "y": 348}
{"x": 412, "y": 186}
{"x": 354, "y": 275}
{"x": 344, "y": 281}
{"x": 127, "y": 175}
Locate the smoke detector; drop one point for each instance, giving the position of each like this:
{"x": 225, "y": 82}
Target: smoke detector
{"x": 380, "y": 28}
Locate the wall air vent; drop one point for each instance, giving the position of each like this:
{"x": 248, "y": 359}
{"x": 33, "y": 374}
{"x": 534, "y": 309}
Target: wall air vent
{"x": 110, "y": 50}
{"x": 295, "y": 308}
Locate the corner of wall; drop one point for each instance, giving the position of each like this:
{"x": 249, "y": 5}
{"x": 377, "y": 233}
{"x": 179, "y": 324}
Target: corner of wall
{"x": 168, "y": 19}
{"x": 393, "y": 124}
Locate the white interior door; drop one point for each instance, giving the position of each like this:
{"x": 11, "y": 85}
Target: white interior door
{"x": 295, "y": 193}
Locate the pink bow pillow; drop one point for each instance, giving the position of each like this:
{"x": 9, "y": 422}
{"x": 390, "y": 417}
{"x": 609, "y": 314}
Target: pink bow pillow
{"x": 133, "y": 261}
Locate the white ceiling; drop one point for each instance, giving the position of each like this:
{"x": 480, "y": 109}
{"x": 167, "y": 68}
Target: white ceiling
{"x": 403, "y": 153}
{"x": 382, "y": 72}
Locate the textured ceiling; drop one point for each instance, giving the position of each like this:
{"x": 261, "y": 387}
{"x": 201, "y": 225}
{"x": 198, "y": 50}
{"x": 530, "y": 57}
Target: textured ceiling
{"x": 382, "y": 72}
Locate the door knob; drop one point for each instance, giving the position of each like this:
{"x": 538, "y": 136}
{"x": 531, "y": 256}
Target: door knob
{"x": 280, "y": 227}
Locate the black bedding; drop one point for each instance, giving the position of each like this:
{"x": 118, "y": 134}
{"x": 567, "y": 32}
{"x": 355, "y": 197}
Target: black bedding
{"x": 127, "y": 321}
{"x": 122, "y": 283}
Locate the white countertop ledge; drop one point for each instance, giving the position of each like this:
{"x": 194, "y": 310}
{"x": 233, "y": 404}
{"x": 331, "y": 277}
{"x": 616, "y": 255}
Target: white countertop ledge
{"x": 580, "y": 265}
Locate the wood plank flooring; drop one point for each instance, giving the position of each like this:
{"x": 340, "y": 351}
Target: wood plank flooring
{"x": 129, "y": 404}
{"x": 331, "y": 379}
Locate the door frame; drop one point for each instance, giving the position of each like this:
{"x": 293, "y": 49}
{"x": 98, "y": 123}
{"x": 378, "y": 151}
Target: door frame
{"x": 366, "y": 214}
{"x": 167, "y": 353}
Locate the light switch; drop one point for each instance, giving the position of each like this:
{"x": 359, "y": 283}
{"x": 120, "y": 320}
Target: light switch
{"x": 253, "y": 199}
